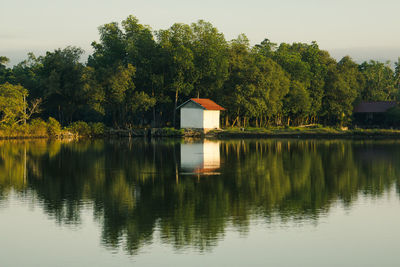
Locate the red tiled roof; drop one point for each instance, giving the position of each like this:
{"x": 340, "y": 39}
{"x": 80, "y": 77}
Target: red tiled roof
{"x": 207, "y": 104}
{"x": 374, "y": 107}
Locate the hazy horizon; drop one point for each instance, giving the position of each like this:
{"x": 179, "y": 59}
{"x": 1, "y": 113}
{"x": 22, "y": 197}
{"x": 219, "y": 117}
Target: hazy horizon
{"x": 364, "y": 31}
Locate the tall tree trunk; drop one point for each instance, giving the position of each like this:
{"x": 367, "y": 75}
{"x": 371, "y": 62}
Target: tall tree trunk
{"x": 154, "y": 117}
{"x": 154, "y": 112}
{"x": 175, "y": 106}
{"x": 236, "y": 120}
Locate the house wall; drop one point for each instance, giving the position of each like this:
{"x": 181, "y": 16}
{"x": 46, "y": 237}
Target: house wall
{"x": 211, "y": 154}
{"x": 192, "y": 156}
{"x": 211, "y": 119}
{"x": 192, "y": 117}
{"x": 202, "y": 156}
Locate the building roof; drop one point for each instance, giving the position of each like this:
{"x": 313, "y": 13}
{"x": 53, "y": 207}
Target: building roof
{"x": 204, "y": 103}
{"x": 374, "y": 107}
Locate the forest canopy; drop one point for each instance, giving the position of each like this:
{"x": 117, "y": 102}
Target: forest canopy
{"x": 137, "y": 77}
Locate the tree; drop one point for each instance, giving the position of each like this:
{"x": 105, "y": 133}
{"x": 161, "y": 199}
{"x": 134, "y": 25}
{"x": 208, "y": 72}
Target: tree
{"x": 95, "y": 95}
{"x": 297, "y": 103}
{"x": 266, "y": 48}
{"x": 144, "y": 54}
{"x": 120, "y": 85}
{"x": 4, "y": 60}
{"x": 256, "y": 84}
{"x": 379, "y": 81}
{"x": 305, "y": 63}
{"x": 397, "y": 77}
{"x": 5, "y": 73}
{"x": 62, "y": 85}
{"x": 273, "y": 85}
{"x": 210, "y": 52}
{"x": 340, "y": 93}
{"x": 319, "y": 62}
{"x": 13, "y": 104}
{"x": 349, "y": 71}
{"x": 176, "y": 43}
{"x": 111, "y": 51}
{"x": 27, "y": 73}
{"x": 122, "y": 70}
{"x": 290, "y": 58}
{"x": 236, "y": 89}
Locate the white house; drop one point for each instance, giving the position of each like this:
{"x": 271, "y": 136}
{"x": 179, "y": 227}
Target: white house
{"x": 200, "y": 113}
{"x": 200, "y": 157}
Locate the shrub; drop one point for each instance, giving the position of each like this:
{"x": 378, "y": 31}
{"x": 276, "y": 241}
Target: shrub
{"x": 168, "y": 131}
{"x": 13, "y": 130}
{"x": 53, "y": 127}
{"x": 38, "y": 127}
{"x": 80, "y": 128}
{"x": 97, "y": 128}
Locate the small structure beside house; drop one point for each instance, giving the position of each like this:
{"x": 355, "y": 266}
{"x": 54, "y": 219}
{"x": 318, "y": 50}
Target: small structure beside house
{"x": 200, "y": 113}
{"x": 372, "y": 113}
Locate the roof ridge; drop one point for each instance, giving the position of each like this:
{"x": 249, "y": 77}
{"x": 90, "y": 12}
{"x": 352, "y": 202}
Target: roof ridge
{"x": 205, "y": 103}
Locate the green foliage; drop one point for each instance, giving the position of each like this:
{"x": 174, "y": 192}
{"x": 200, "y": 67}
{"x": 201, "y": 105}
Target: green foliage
{"x": 379, "y": 81}
{"x": 27, "y": 73}
{"x": 397, "y": 78}
{"x": 339, "y": 95}
{"x": 53, "y": 127}
{"x": 12, "y": 104}
{"x": 38, "y": 127}
{"x": 97, "y": 129}
{"x": 297, "y": 102}
{"x": 256, "y": 85}
{"x": 94, "y": 93}
{"x": 61, "y": 83}
{"x": 5, "y": 73}
{"x": 167, "y": 131}
{"x": 80, "y": 128}
{"x": 179, "y": 57}
{"x": 120, "y": 57}
{"x": 137, "y": 77}
{"x": 210, "y": 52}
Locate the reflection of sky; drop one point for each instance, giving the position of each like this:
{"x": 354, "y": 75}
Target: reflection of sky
{"x": 200, "y": 157}
{"x": 365, "y": 235}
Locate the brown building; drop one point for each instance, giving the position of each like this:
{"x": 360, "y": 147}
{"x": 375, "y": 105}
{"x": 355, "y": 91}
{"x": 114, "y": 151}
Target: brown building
{"x": 372, "y": 113}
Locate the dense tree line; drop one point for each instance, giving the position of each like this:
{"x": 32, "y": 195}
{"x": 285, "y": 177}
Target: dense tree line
{"x": 136, "y": 76}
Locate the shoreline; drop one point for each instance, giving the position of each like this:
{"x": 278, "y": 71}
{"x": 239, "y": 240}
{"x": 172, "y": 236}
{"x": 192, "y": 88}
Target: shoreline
{"x": 305, "y": 136}
{"x": 236, "y": 133}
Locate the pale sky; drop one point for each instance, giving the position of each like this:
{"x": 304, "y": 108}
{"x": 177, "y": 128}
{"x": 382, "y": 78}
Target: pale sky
{"x": 364, "y": 29}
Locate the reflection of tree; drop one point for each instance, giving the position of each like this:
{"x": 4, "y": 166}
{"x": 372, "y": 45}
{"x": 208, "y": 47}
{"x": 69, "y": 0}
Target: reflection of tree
{"x": 134, "y": 191}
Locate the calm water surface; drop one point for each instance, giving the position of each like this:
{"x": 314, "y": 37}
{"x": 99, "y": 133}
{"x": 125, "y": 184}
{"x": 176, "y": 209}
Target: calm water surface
{"x": 186, "y": 203}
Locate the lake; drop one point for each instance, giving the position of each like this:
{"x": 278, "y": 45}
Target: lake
{"x": 136, "y": 202}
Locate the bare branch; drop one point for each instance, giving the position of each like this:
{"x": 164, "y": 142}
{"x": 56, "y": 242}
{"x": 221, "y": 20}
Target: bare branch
{"x": 34, "y": 108}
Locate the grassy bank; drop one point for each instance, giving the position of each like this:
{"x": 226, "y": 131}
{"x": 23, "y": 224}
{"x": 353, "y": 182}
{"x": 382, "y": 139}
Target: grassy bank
{"x": 38, "y": 128}
{"x": 306, "y": 132}
{"x": 52, "y": 129}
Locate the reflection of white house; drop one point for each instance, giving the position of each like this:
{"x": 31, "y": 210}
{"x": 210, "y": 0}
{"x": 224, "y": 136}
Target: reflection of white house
{"x": 201, "y": 158}
{"x": 200, "y": 113}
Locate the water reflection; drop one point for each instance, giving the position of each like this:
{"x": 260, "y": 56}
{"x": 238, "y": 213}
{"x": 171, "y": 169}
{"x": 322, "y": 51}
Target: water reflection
{"x": 136, "y": 187}
{"x": 198, "y": 157}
